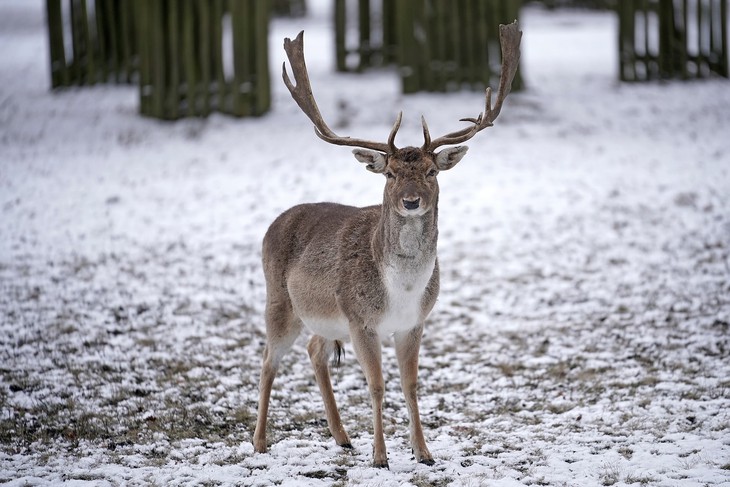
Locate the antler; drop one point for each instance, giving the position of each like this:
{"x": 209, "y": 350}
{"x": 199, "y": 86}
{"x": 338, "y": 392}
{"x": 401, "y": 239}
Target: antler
{"x": 509, "y": 38}
{"x": 302, "y": 94}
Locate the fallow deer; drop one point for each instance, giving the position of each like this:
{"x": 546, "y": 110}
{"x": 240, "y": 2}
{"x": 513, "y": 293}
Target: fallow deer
{"x": 363, "y": 273}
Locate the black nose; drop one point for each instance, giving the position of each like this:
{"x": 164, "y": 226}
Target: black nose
{"x": 411, "y": 204}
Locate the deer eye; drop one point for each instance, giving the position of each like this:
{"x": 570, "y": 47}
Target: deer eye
{"x": 432, "y": 173}
{"x": 389, "y": 175}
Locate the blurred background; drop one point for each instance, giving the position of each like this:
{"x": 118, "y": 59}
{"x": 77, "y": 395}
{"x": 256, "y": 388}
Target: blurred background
{"x": 190, "y": 58}
{"x": 581, "y": 334}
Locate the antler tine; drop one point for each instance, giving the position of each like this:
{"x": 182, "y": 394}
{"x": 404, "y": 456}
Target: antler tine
{"x": 302, "y": 94}
{"x": 391, "y": 138}
{"x": 426, "y": 134}
{"x": 509, "y": 38}
{"x": 467, "y": 133}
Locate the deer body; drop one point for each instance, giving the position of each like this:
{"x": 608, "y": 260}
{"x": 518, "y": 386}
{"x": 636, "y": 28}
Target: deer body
{"x": 362, "y": 274}
{"x": 365, "y": 273}
{"x": 320, "y": 249}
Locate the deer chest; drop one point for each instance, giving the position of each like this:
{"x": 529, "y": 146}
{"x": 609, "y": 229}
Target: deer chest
{"x": 405, "y": 287}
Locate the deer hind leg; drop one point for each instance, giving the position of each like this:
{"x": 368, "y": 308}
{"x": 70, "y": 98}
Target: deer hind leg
{"x": 320, "y": 349}
{"x": 367, "y": 349}
{"x": 282, "y": 329}
{"x": 407, "y": 345}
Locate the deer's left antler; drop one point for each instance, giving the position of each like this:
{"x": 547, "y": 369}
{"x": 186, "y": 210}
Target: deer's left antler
{"x": 509, "y": 38}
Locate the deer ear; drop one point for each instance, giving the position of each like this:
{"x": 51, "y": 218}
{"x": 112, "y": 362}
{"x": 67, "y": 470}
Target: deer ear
{"x": 375, "y": 160}
{"x": 448, "y": 158}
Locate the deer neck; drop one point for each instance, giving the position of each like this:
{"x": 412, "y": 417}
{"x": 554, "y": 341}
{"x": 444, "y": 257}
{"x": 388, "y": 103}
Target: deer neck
{"x": 406, "y": 242}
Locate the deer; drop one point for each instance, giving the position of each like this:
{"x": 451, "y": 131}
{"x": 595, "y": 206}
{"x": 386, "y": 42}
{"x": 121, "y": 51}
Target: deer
{"x": 364, "y": 274}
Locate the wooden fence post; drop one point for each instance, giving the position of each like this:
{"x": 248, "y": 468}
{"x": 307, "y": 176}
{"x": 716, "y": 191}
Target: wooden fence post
{"x": 449, "y": 45}
{"x": 438, "y": 45}
{"x": 183, "y": 57}
{"x": 663, "y": 39}
{"x": 289, "y": 8}
{"x": 102, "y": 41}
{"x": 173, "y": 48}
{"x": 376, "y": 37}
{"x": 59, "y": 68}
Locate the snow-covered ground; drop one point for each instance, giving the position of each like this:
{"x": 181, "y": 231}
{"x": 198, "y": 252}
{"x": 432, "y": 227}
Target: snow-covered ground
{"x": 582, "y": 332}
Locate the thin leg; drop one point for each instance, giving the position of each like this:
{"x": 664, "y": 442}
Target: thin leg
{"x": 367, "y": 349}
{"x": 406, "y": 348}
{"x": 320, "y": 350}
{"x": 282, "y": 329}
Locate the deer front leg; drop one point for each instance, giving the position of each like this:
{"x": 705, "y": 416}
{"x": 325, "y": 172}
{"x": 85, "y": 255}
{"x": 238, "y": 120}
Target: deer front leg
{"x": 320, "y": 350}
{"x": 366, "y": 343}
{"x": 407, "y": 345}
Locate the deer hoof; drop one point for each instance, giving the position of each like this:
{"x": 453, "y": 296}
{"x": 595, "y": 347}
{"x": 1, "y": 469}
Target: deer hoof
{"x": 347, "y": 446}
{"x": 427, "y": 461}
{"x": 381, "y": 465}
{"x": 259, "y": 447}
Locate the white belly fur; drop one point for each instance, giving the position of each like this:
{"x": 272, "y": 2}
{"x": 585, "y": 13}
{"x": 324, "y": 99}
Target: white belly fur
{"x": 334, "y": 328}
{"x": 405, "y": 288}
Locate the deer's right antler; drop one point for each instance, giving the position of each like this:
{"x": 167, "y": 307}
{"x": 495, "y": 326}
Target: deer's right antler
{"x": 302, "y": 94}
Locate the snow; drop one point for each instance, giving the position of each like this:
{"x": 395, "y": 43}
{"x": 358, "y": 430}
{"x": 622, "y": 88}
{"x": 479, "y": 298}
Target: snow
{"x": 580, "y": 338}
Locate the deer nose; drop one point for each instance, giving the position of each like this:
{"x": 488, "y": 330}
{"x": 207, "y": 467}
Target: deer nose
{"x": 411, "y": 204}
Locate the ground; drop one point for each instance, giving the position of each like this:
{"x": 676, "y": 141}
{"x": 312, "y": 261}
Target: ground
{"x": 580, "y": 338}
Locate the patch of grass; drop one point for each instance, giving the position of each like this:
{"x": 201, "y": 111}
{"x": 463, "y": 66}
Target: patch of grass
{"x": 245, "y": 417}
{"x": 180, "y": 420}
{"x": 510, "y": 369}
{"x": 686, "y": 454}
{"x": 690, "y": 461}
{"x": 470, "y": 451}
{"x": 48, "y": 422}
{"x": 644, "y": 403}
{"x": 338, "y": 474}
{"x": 626, "y": 452}
{"x": 506, "y": 406}
{"x": 560, "y": 408}
{"x": 86, "y": 477}
{"x": 639, "y": 479}
{"x": 692, "y": 395}
{"x": 422, "y": 479}
{"x": 346, "y": 458}
{"x": 138, "y": 406}
{"x": 495, "y": 451}
{"x": 25, "y": 383}
{"x": 609, "y": 474}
